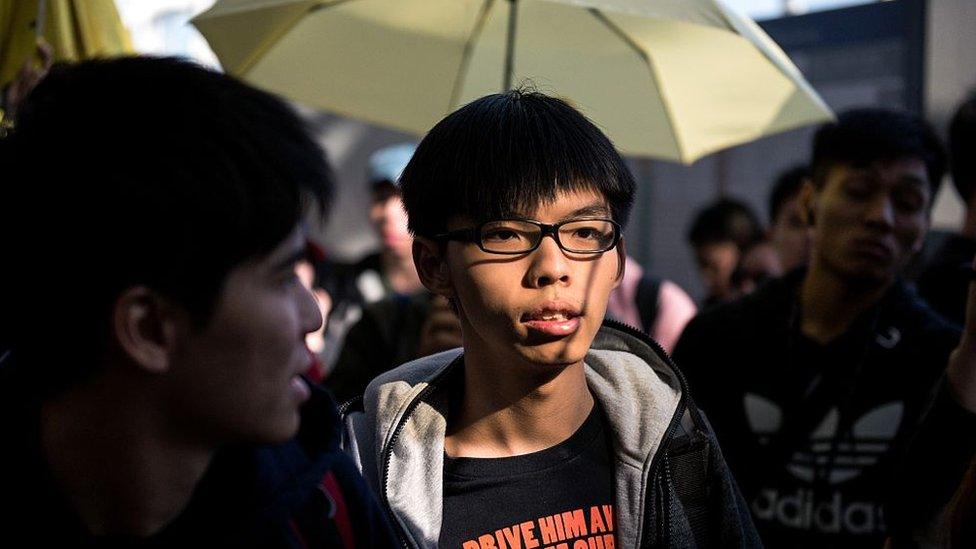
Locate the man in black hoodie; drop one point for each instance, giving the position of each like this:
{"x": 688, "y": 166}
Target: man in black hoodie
{"x": 815, "y": 381}
{"x": 153, "y": 393}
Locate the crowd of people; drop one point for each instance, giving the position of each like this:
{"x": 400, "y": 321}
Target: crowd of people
{"x": 181, "y": 364}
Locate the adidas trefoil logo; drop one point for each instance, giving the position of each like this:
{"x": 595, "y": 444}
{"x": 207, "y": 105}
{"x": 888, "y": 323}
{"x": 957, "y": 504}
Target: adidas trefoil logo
{"x": 825, "y": 456}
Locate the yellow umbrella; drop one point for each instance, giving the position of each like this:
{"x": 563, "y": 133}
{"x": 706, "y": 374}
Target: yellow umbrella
{"x": 671, "y": 79}
{"x": 75, "y": 29}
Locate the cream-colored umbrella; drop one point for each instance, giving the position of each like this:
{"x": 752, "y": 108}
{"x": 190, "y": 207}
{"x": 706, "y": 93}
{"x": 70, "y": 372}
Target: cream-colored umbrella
{"x": 670, "y": 79}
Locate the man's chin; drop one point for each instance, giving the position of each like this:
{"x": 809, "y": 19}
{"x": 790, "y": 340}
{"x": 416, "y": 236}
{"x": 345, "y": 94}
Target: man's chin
{"x": 283, "y": 431}
{"x": 553, "y": 358}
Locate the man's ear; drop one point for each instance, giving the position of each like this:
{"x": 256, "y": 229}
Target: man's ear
{"x": 428, "y": 257}
{"x": 807, "y": 200}
{"x": 145, "y": 325}
{"x": 622, "y": 262}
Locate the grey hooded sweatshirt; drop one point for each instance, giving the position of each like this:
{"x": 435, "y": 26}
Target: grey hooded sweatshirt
{"x": 673, "y": 488}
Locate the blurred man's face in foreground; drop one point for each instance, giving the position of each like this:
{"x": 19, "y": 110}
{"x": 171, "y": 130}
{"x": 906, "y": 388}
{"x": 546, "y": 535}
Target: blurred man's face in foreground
{"x": 871, "y": 220}
{"x": 237, "y": 377}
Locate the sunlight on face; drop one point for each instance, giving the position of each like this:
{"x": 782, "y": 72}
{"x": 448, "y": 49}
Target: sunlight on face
{"x": 538, "y": 310}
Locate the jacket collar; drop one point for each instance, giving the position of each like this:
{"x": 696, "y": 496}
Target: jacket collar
{"x": 406, "y": 408}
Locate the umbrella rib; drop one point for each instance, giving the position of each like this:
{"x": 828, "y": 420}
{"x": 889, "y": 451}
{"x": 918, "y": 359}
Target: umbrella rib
{"x": 510, "y": 44}
{"x": 466, "y": 54}
{"x": 647, "y": 59}
{"x": 620, "y": 33}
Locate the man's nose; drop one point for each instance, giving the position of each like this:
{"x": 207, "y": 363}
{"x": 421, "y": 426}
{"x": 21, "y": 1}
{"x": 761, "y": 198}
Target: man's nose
{"x": 308, "y": 308}
{"x": 549, "y": 264}
{"x": 881, "y": 212}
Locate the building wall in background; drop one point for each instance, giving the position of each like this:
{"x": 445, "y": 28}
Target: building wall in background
{"x": 950, "y": 44}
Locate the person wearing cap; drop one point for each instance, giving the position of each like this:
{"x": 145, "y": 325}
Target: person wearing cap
{"x": 393, "y": 264}
{"x": 386, "y": 272}
{"x": 386, "y": 317}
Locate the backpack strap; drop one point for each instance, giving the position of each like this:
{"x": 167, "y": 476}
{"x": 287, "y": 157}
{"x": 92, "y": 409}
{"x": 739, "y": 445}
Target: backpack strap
{"x": 688, "y": 464}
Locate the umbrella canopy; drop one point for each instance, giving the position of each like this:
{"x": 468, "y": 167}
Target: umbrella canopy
{"x": 75, "y": 29}
{"x": 670, "y": 79}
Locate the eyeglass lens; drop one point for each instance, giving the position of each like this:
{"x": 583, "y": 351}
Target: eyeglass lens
{"x": 512, "y": 236}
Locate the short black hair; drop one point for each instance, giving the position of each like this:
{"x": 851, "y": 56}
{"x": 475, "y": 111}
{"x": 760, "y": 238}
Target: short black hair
{"x": 962, "y": 148}
{"x": 142, "y": 171}
{"x": 506, "y": 153}
{"x": 727, "y": 220}
{"x": 860, "y": 137}
{"x": 787, "y": 186}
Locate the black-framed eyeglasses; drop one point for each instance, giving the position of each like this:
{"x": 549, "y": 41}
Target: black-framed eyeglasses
{"x": 521, "y": 236}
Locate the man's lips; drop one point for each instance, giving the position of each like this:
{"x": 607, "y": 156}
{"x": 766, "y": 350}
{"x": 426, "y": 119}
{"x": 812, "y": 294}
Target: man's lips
{"x": 298, "y": 383}
{"x": 553, "y": 319}
{"x": 874, "y": 247}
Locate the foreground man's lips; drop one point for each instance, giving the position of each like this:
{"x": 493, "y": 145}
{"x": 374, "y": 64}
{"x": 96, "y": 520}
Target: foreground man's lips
{"x": 299, "y": 387}
{"x": 554, "y": 318}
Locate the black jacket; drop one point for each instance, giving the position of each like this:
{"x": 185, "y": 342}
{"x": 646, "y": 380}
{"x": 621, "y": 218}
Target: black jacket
{"x": 940, "y": 452}
{"x": 304, "y": 493}
{"x": 813, "y": 432}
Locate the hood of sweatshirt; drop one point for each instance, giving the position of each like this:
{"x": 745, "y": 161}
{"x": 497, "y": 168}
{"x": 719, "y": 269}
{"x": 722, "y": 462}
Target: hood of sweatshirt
{"x": 398, "y": 439}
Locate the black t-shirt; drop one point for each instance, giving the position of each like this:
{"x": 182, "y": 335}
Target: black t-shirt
{"x": 548, "y": 498}
{"x": 813, "y": 433}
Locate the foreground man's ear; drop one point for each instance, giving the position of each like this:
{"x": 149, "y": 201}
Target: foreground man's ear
{"x": 145, "y": 326}
{"x": 431, "y": 265}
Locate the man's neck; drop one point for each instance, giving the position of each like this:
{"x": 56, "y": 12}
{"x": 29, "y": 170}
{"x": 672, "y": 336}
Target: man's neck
{"x": 830, "y": 304}
{"x": 401, "y": 273}
{"x": 118, "y": 475}
{"x": 503, "y": 414}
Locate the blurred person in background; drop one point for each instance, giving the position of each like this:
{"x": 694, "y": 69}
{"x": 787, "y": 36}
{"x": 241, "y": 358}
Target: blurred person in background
{"x": 945, "y": 279}
{"x": 718, "y": 234}
{"x": 390, "y": 270}
{"x": 788, "y": 232}
{"x": 759, "y": 264}
{"x": 659, "y": 308}
{"x": 387, "y": 272}
{"x": 385, "y": 317}
{"x": 815, "y": 381}
{"x": 172, "y": 411}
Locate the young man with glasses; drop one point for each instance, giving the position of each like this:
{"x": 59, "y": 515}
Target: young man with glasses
{"x": 549, "y": 428}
